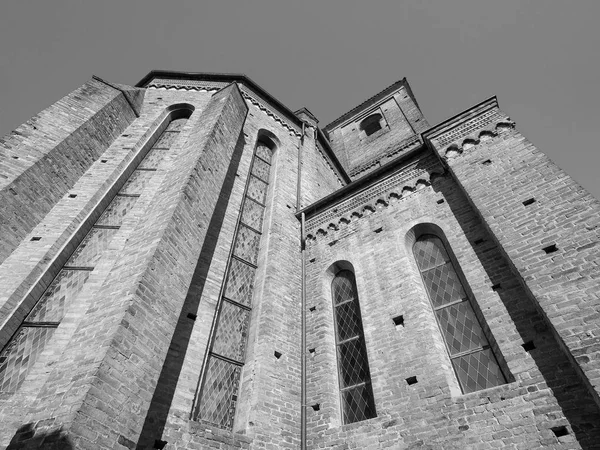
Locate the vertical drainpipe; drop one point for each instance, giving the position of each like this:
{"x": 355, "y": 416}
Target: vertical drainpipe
{"x": 302, "y": 300}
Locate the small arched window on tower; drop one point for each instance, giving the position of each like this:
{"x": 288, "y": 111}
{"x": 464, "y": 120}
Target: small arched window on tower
{"x": 472, "y": 357}
{"x": 354, "y": 376}
{"x": 371, "y": 124}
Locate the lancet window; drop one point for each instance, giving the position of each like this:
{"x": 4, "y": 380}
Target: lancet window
{"x": 356, "y": 393}
{"x": 217, "y": 399}
{"x": 21, "y": 352}
{"x": 472, "y": 357}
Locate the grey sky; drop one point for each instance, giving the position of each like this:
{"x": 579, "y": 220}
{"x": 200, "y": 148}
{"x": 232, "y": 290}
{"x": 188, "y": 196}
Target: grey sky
{"x": 540, "y": 57}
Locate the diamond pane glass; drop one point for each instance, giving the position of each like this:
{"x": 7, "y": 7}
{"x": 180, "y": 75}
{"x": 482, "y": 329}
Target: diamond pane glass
{"x": 20, "y": 355}
{"x": 263, "y": 152}
{"x": 352, "y": 361}
{"x": 56, "y": 299}
{"x": 261, "y": 169}
{"x": 253, "y": 214}
{"x": 343, "y": 287}
{"x": 166, "y": 140}
{"x": 257, "y": 190}
{"x": 429, "y": 252}
{"x": 461, "y": 328}
{"x": 246, "y": 244}
{"x": 219, "y": 395}
{"x": 230, "y": 338}
{"x": 348, "y": 321}
{"x": 240, "y": 283}
{"x": 478, "y": 371}
{"x": 152, "y": 158}
{"x": 358, "y": 404}
{"x": 177, "y": 124}
{"x": 136, "y": 182}
{"x": 89, "y": 251}
{"x": 116, "y": 210}
{"x": 443, "y": 285}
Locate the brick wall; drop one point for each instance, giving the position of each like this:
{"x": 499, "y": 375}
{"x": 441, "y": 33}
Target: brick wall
{"x": 529, "y": 204}
{"x": 42, "y": 159}
{"x": 401, "y": 123}
{"x": 375, "y": 239}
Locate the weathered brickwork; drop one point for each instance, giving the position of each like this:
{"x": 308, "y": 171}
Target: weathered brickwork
{"x": 45, "y": 156}
{"x": 123, "y": 367}
{"x": 500, "y": 172}
{"x": 401, "y": 122}
{"x": 519, "y": 414}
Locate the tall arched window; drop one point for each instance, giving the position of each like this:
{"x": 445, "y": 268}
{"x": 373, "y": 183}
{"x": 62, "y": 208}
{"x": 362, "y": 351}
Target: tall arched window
{"x": 217, "y": 399}
{"x": 21, "y": 352}
{"x": 371, "y": 124}
{"x": 354, "y": 376}
{"x": 474, "y": 362}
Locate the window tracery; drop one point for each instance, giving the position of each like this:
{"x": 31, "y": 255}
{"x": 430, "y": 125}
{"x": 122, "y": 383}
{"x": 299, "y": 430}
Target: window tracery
{"x": 218, "y": 394}
{"x": 470, "y": 352}
{"x": 22, "y": 351}
{"x": 356, "y": 392}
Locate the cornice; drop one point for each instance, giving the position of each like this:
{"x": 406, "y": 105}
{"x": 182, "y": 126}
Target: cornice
{"x": 253, "y": 93}
{"x": 405, "y": 181}
{"x": 467, "y": 129}
{"x": 370, "y": 101}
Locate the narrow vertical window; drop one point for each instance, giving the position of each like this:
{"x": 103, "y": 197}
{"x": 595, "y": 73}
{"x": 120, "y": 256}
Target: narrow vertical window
{"x": 474, "y": 362}
{"x": 22, "y": 351}
{"x": 217, "y": 398}
{"x": 354, "y": 376}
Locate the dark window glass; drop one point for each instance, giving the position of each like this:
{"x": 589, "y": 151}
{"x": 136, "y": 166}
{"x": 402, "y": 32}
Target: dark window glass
{"x": 221, "y": 374}
{"x": 354, "y": 375}
{"x": 475, "y": 365}
{"x": 21, "y": 352}
{"x": 371, "y": 124}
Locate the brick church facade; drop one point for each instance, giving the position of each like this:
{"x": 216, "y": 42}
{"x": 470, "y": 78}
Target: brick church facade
{"x": 189, "y": 264}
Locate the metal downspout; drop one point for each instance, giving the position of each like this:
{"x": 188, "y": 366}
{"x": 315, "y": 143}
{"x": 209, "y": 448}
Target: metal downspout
{"x": 303, "y": 340}
{"x": 302, "y": 300}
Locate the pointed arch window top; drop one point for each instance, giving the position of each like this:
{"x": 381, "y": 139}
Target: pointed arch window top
{"x": 469, "y": 349}
{"x": 356, "y": 391}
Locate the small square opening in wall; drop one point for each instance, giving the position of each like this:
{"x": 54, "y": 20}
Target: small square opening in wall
{"x": 550, "y": 249}
{"x": 411, "y": 380}
{"x": 312, "y": 308}
{"x": 560, "y": 431}
{"x": 528, "y": 346}
{"x": 36, "y": 238}
{"x": 529, "y": 201}
{"x": 277, "y": 354}
{"x": 316, "y": 407}
{"x": 159, "y": 444}
{"x": 72, "y": 195}
{"x": 398, "y": 321}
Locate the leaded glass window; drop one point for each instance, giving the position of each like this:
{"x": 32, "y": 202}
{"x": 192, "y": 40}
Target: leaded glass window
{"x": 218, "y": 393}
{"x": 21, "y": 352}
{"x": 353, "y": 366}
{"x": 474, "y": 362}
